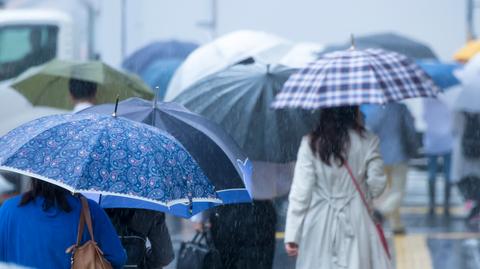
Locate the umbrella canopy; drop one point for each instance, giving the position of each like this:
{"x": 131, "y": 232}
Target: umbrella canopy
{"x": 16, "y": 110}
{"x": 300, "y": 55}
{"x": 355, "y": 77}
{"x": 441, "y": 73}
{"x": 214, "y": 150}
{"x": 25, "y": 116}
{"x": 109, "y": 155}
{"x": 238, "y": 98}
{"x": 465, "y": 97}
{"x": 47, "y": 85}
{"x": 389, "y": 41}
{"x": 467, "y": 52}
{"x": 158, "y": 75}
{"x": 222, "y": 52}
{"x": 142, "y": 58}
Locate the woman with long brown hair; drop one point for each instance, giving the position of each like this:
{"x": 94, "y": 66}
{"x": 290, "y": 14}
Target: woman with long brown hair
{"x": 328, "y": 225}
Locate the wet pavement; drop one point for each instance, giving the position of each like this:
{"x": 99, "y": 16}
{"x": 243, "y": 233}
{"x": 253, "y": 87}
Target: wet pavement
{"x": 430, "y": 242}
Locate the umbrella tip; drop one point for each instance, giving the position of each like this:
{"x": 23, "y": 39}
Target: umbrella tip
{"x": 352, "y": 42}
{"x": 116, "y": 106}
{"x": 155, "y": 97}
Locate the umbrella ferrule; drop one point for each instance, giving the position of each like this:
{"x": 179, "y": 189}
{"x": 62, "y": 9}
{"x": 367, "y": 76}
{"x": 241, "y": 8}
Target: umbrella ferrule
{"x": 116, "y": 107}
{"x": 352, "y": 42}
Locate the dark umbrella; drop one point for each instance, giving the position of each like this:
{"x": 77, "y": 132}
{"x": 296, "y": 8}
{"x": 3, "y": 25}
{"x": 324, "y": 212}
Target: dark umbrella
{"x": 142, "y": 58}
{"x": 218, "y": 156}
{"x": 239, "y": 97}
{"x": 389, "y": 41}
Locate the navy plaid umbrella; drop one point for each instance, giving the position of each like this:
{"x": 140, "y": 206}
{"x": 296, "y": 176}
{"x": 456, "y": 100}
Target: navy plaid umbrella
{"x": 354, "y": 77}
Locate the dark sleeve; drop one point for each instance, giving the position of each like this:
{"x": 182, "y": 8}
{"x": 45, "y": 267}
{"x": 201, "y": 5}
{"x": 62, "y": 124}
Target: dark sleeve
{"x": 106, "y": 236}
{"x": 161, "y": 252}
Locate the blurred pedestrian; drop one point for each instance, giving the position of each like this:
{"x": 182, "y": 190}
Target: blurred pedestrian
{"x": 466, "y": 151}
{"x": 244, "y": 234}
{"x": 82, "y": 93}
{"x": 394, "y": 125}
{"x": 328, "y": 225}
{"x": 36, "y": 228}
{"x": 437, "y": 144}
{"x": 135, "y": 227}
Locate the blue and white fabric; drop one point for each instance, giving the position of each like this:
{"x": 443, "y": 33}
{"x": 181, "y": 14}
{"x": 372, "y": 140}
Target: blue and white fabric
{"x": 94, "y": 153}
{"x": 354, "y": 77}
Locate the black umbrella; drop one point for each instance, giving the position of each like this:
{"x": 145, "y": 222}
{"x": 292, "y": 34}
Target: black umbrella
{"x": 389, "y": 41}
{"x": 239, "y": 99}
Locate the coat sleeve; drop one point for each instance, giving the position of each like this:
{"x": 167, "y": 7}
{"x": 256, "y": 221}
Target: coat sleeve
{"x": 375, "y": 174}
{"x": 106, "y": 236}
{"x": 161, "y": 251}
{"x": 301, "y": 192}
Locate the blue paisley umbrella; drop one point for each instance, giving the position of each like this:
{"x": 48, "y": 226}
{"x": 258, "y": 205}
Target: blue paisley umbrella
{"x": 114, "y": 156}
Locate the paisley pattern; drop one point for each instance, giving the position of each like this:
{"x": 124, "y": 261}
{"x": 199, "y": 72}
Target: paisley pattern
{"x": 110, "y": 155}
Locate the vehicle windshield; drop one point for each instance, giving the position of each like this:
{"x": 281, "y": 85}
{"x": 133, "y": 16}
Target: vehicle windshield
{"x": 24, "y": 46}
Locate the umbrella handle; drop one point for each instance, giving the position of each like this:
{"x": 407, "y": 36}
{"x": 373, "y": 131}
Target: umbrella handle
{"x": 116, "y": 107}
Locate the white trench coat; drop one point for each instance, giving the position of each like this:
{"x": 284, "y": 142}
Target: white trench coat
{"x": 326, "y": 216}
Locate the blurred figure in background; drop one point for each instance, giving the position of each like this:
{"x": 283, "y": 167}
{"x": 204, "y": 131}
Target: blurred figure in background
{"x": 134, "y": 227}
{"x": 466, "y": 153}
{"x": 438, "y": 143}
{"x": 82, "y": 93}
{"x": 244, "y": 234}
{"x": 36, "y": 228}
{"x": 328, "y": 224}
{"x": 394, "y": 125}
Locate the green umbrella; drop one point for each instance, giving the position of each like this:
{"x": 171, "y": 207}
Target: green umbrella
{"x": 47, "y": 85}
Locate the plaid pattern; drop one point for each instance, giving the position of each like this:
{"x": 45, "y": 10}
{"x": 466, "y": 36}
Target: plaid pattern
{"x": 354, "y": 77}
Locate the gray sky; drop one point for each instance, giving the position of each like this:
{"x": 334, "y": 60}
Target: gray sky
{"x": 439, "y": 23}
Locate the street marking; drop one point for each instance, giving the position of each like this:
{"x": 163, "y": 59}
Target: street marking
{"x": 423, "y": 210}
{"x": 279, "y": 235}
{"x": 411, "y": 252}
{"x": 454, "y": 236}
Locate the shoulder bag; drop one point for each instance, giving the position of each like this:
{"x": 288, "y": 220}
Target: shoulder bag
{"x": 88, "y": 255}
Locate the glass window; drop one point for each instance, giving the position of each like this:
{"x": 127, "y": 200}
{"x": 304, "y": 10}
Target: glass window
{"x": 24, "y": 46}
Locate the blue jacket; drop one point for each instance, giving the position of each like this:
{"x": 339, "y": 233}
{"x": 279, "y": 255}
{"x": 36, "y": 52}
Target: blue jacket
{"x": 35, "y": 238}
{"x": 388, "y": 123}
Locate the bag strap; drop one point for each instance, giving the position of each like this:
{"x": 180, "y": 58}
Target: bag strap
{"x": 359, "y": 190}
{"x": 85, "y": 218}
{"x": 81, "y": 225}
{"x": 88, "y": 217}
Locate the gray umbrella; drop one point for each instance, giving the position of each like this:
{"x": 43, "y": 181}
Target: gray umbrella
{"x": 239, "y": 98}
{"x": 389, "y": 41}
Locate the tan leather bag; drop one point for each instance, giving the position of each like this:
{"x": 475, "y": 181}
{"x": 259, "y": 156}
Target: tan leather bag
{"x": 88, "y": 255}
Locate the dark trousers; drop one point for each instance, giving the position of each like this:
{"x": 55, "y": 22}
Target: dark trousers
{"x": 244, "y": 234}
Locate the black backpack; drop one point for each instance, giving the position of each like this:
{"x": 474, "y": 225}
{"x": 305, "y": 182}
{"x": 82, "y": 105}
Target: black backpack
{"x": 471, "y": 136}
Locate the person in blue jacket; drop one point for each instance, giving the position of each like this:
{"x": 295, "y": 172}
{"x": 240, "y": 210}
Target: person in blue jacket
{"x": 37, "y": 227}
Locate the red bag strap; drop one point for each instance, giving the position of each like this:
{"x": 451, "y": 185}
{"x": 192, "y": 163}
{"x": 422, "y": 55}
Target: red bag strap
{"x": 362, "y": 195}
{"x": 383, "y": 240}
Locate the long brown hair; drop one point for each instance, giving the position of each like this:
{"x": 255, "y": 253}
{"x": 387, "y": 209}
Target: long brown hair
{"x": 331, "y": 137}
{"x": 54, "y": 196}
